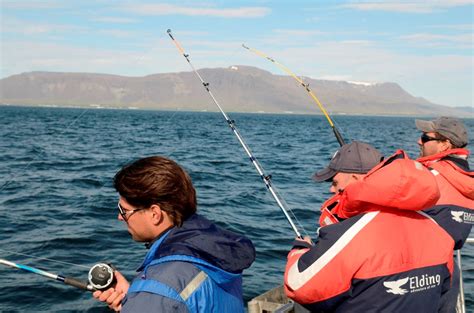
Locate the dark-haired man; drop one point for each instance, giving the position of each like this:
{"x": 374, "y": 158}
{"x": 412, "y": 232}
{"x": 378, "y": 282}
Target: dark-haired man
{"x": 442, "y": 150}
{"x": 376, "y": 251}
{"x": 192, "y": 265}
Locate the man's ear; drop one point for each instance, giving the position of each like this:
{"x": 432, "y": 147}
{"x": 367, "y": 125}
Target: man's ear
{"x": 156, "y": 214}
{"x": 445, "y": 145}
{"x": 357, "y": 176}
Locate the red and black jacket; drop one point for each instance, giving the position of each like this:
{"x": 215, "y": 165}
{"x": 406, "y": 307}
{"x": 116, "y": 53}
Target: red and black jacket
{"x": 385, "y": 256}
{"x": 454, "y": 210}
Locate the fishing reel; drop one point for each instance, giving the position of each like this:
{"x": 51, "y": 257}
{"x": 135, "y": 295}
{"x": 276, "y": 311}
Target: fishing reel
{"x": 101, "y": 276}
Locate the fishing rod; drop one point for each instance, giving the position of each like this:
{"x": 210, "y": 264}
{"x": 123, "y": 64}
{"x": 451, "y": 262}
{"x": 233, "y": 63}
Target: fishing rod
{"x": 305, "y": 86}
{"x": 100, "y": 277}
{"x": 266, "y": 178}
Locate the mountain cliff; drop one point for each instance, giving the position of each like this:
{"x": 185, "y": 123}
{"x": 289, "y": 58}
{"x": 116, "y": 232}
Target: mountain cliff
{"x": 237, "y": 88}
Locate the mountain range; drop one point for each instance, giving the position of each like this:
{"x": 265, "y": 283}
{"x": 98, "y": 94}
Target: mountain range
{"x": 237, "y": 89}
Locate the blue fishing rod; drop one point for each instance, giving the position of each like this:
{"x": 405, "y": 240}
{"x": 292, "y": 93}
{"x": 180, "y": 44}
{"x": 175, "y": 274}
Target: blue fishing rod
{"x": 266, "y": 178}
{"x": 101, "y": 276}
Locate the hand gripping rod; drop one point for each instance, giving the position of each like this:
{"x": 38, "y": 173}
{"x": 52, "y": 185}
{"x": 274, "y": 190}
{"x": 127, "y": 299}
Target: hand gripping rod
{"x": 336, "y": 132}
{"x": 266, "y": 179}
{"x": 66, "y": 280}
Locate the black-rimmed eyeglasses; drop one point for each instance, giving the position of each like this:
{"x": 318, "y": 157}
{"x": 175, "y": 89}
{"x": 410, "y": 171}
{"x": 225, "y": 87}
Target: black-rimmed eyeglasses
{"x": 425, "y": 138}
{"x": 126, "y": 213}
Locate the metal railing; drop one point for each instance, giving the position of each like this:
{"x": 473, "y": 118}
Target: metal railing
{"x": 462, "y": 300}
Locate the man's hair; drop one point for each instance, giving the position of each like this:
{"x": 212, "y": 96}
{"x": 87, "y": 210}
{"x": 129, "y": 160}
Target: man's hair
{"x": 443, "y": 138}
{"x": 158, "y": 180}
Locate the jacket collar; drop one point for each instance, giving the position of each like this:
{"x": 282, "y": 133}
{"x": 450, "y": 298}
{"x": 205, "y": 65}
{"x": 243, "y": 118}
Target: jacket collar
{"x": 458, "y": 156}
{"x": 153, "y": 246}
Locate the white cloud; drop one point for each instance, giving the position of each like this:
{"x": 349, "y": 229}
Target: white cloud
{"x": 462, "y": 27}
{"x": 190, "y": 33}
{"x": 27, "y": 5}
{"x": 117, "y": 20}
{"x": 407, "y": 6}
{"x": 437, "y": 40}
{"x": 117, "y": 33}
{"x": 298, "y": 32}
{"x": 356, "y": 42}
{"x": 171, "y": 9}
{"x": 335, "y": 77}
{"x": 16, "y": 26}
{"x": 295, "y": 37}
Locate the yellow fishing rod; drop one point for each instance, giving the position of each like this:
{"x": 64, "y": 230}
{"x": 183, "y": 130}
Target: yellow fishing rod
{"x": 306, "y": 86}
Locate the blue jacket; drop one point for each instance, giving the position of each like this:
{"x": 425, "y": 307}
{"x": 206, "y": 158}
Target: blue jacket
{"x": 193, "y": 268}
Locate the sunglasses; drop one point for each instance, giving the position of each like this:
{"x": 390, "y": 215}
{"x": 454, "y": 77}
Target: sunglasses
{"x": 425, "y": 138}
{"x": 126, "y": 213}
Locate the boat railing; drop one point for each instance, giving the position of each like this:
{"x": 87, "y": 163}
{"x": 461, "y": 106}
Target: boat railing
{"x": 462, "y": 300}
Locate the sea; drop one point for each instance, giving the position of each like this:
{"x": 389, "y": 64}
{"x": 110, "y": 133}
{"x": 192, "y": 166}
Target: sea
{"x": 58, "y": 207}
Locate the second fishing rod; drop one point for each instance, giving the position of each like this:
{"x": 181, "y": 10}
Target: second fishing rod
{"x": 336, "y": 132}
{"x": 266, "y": 178}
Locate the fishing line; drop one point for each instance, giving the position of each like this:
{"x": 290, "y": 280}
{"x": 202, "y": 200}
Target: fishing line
{"x": 336, "y": 132}
{"x": 36, "y": 157}
{"x": 21, "y": 171}
{"x": 165, "y": 122}
{"x": 177, "y": 133}
{"x": 265, "y": 178}
{"x": 45, "y": 259}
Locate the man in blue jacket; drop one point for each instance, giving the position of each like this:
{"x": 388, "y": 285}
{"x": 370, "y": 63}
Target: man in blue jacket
{"x": 192, "y": 265}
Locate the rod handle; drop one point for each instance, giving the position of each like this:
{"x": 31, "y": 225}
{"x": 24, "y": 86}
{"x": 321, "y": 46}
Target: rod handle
{"x": 77, "y": 283}
{"x": 338, "y": 136}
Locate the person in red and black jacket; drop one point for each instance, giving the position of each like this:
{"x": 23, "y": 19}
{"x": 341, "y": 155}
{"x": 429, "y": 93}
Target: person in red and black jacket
{"x": 442, "y": 150}
{"x": 377, "y": 251}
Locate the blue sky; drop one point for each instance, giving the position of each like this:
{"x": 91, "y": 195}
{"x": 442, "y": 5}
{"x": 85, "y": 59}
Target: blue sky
{"x": 425, "y": 46}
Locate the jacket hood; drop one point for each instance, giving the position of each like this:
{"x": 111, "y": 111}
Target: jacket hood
{"x": 397, "y": 183}
{"x": 461, "y": 180}
{"x": 200, "y": 238}
{"x": 453, "y": 166}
